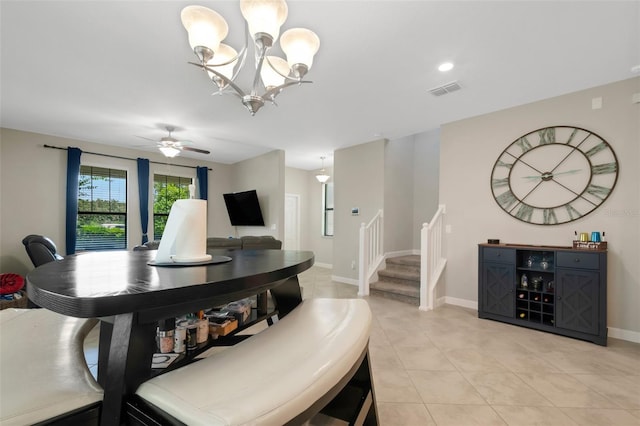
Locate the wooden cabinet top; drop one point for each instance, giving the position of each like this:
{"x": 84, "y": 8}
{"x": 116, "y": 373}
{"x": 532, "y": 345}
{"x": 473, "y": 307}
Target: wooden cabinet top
{"x": 539, "y": 247}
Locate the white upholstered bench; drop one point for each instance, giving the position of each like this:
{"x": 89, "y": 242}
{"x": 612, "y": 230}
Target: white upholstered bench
{"x": 313, "y": 360}
{"x": 43, "y": 374}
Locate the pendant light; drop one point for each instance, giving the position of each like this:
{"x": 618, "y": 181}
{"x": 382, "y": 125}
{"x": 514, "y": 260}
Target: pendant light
{"x": 322, "y": 176}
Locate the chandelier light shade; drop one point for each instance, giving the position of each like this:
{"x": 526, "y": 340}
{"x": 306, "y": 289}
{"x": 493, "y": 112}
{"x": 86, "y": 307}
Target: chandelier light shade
{"x": 322, "y": 176}
{"x": 225, "y": 61}
{"x": 206, "y": 27}
{"x": 273, "y": 75}
{"x": 264, "y": 17}
{"x": 300, "y": 45}
{"x": 206, "y": 30}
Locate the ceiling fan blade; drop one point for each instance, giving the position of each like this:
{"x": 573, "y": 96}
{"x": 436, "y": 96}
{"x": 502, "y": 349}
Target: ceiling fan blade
{"x": 149, "y": 139}
{"x": 198, "y": 150}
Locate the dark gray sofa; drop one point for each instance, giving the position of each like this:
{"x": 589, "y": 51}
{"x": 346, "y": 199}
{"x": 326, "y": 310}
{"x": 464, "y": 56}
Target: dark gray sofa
{"x": 243, "y": 243}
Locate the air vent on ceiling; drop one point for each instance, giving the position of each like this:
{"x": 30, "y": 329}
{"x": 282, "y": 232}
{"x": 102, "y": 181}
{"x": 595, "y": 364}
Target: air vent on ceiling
{"x": 446, "y": 88}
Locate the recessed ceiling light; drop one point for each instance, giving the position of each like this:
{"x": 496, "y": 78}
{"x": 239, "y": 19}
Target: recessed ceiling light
{"x": 447, "y": 66}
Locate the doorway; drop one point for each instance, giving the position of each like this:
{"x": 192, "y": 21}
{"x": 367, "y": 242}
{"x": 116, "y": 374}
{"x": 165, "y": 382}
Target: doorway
{"x": 291, "y": 222}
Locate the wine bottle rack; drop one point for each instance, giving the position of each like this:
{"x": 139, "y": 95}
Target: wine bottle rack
{"x": 535, "y": 306}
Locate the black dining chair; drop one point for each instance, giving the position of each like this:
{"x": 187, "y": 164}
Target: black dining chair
{"x": 40, "y": 249}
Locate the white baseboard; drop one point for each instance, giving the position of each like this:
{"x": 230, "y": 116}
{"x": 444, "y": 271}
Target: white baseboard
{"x": 616, "y": 333}
{"x": 344, "y": 280}
{"x": 323, "y": 265}
{"x": 399, "y": 253}
{"x": 622, "y": 334}
{"x": 471, "y": 304}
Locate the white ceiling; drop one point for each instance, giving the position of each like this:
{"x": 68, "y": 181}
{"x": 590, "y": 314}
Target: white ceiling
{"x": 109, "y": 71}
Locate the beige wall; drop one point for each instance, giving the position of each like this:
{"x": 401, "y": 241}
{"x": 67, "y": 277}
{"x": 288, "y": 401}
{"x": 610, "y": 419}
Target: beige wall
{"x": 265, "y": 174}
{"x": 33, "y": 182}
{"x": 426, "y": 161}
{"x": 398, "y": 194}
{"x": 469, "y": 149}
{"x": 400, "y": 176}
{"x": 359, "y": 182}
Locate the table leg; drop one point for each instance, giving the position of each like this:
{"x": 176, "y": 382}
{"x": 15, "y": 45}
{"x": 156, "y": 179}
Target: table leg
{"x": 262, "y": 303}
{"x": 129, "y": 364}
{"x": 286, "y": 296}
{"x": 106, "y": 330}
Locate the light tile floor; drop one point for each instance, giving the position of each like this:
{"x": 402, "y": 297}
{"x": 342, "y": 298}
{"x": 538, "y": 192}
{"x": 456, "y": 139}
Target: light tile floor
{"x": 448, "y": 367}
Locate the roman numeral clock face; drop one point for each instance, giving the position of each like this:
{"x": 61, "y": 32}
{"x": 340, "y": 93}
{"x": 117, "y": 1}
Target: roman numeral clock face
{"x": 554, "y": 175}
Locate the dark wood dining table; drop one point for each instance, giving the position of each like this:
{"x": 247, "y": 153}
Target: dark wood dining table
{"x": 130, "y": 296}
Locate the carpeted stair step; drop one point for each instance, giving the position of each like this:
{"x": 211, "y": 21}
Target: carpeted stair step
{"x": 400, "y": 280}
{"x": 400, "y": 276}
{"x": 404, "y": 263}
{"x": 406, "y": 293}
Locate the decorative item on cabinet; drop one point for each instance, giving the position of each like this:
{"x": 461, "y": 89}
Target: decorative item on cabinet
{"x": 597, "y": 241}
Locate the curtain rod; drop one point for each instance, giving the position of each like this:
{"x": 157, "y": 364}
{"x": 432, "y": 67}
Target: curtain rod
{"x": 122, "y": 158}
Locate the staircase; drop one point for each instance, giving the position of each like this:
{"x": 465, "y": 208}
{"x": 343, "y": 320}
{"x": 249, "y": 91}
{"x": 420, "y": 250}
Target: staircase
{"x": 400, "y": 280}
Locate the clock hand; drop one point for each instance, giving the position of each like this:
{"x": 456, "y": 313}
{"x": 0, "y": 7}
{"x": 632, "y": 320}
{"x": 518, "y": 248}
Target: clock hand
{"x": 521, "y": 201}
{"x": 578, "y": 195}
{"x": 572, "y": 151}
{"x": 552, "y": 175}
{"x": 524, "y": 162}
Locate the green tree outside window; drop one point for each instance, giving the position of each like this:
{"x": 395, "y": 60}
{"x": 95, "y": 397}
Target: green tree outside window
{"x": 166, "y": 190}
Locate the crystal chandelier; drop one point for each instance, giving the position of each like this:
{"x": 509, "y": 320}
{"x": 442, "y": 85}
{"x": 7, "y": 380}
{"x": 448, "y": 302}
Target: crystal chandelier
{"x": 322, "y": 176}
{"x": 207, "y": 29}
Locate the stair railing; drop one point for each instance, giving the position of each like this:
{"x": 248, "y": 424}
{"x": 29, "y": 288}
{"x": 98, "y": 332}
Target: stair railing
{"x": 370, "y": 251}
{"x": 432, "y": 258}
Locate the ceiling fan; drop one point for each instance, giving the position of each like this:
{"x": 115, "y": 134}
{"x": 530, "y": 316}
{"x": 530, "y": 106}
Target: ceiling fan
{"x": 170, "y": 146}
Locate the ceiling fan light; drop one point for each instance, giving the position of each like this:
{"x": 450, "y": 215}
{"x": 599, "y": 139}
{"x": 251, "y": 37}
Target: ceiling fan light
{"x": 169, "y": 151}
{"x": 206, "y": 27}
{"x": 264, "y": 16}
{"x": 300, "y": 45}
{"x": 273, "y": 71}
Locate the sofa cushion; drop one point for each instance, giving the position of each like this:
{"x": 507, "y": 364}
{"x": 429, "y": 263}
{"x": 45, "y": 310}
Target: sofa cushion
{"x": 227, "y": 243}
{"x": 262, "y": 242}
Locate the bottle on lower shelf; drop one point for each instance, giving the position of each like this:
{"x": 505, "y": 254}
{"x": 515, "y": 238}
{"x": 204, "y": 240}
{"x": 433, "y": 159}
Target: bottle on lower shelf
{"x": 548, "y": 319}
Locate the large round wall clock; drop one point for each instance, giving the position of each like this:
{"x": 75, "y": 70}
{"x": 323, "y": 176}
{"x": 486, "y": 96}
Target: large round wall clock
{"x": 554, "y": 175}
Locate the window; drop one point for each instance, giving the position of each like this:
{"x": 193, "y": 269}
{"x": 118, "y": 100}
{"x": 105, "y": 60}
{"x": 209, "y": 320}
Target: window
{"x": 102, "y": 209}
{"x": 327, "y": 208}
{"x": 166, "y": 190}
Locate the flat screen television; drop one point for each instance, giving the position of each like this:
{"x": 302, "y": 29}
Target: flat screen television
{"x": 244, "y": 208}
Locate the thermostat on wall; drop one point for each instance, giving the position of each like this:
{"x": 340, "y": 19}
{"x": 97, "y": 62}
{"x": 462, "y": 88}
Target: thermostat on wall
{"x": 355, "y": 211}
